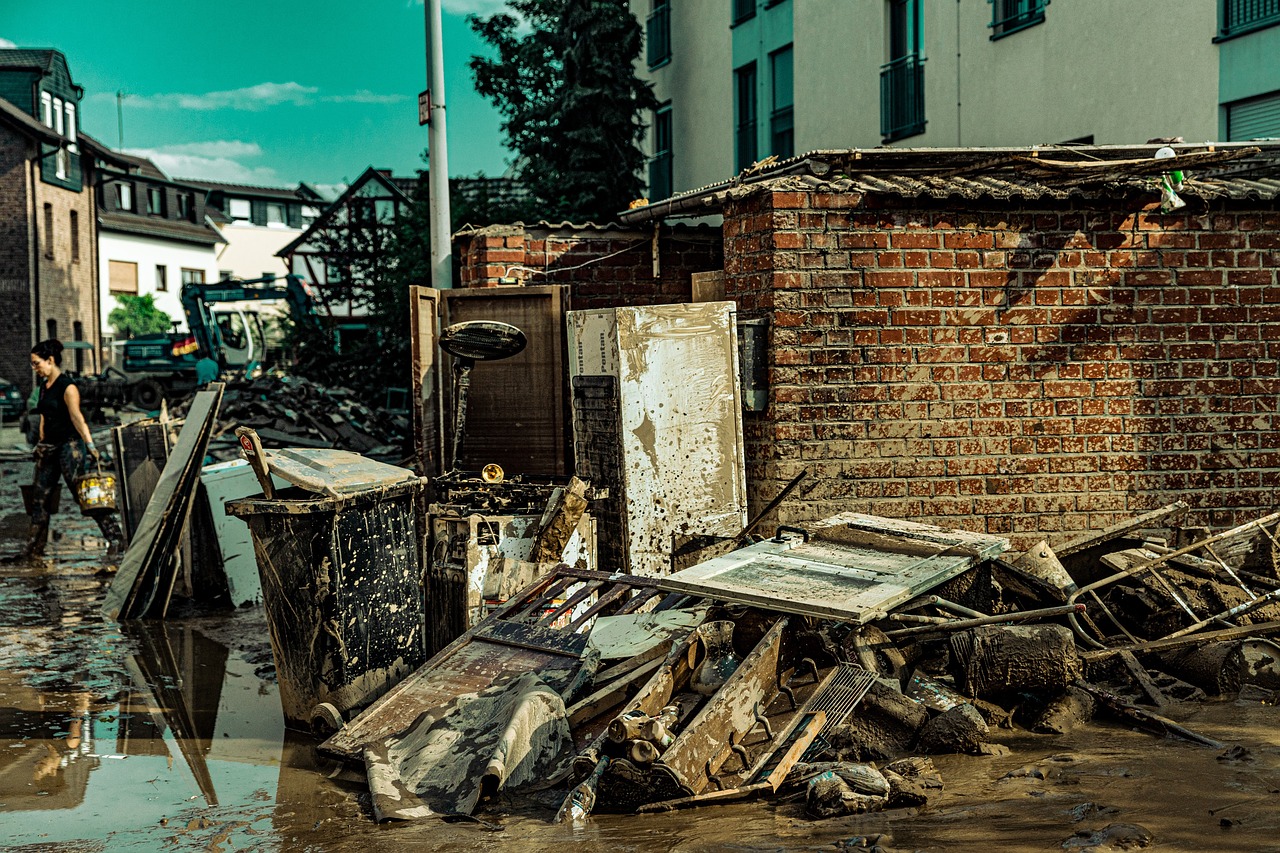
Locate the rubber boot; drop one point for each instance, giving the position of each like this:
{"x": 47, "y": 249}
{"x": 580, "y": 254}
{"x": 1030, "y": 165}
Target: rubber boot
{"x": 38, "y": 539}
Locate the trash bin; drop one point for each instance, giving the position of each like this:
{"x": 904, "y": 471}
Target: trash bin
{"x": 342, "y": 588}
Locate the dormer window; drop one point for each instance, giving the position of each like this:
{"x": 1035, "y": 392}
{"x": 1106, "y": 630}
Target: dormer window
{"x": 239, "y": 209}
{"x": 124, "y": 196}
{"x": 70, "y": 110}
{"x": 57, "y": 116}
{"x": 46, "y": 109}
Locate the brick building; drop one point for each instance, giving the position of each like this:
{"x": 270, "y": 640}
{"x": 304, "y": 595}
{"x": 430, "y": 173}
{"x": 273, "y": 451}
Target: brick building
{"x": 48, "y": 223}
{"x": 1014, "y": 341}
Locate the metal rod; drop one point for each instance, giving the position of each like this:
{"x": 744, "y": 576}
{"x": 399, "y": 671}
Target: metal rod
{"x": 961, "y": 624}
{"x": 1112, "y": 617}
{"x": 938, "y": 601}
{"x": 438, "y": 148}
{"x": 1228, "y": 570}
{"x": 1238, "y": 610}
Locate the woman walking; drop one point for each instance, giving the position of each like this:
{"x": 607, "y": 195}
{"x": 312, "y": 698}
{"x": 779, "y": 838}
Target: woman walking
{"x": 64, "y": 444}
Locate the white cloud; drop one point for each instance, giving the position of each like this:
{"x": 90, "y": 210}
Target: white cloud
{"x": 483, "y": 8}
{"x": 329, "y": 191}
{"x": 6, "y": 44}
{"x": 363, "y": 96}
{"x": 217, "y": 160}
{"x": 250, "y": 98}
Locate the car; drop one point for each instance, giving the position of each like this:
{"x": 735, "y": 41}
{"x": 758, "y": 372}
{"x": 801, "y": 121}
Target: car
{"x": 11, "y": 403}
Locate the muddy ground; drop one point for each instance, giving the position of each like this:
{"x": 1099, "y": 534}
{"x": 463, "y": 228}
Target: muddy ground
{"x": 169, "y": 737}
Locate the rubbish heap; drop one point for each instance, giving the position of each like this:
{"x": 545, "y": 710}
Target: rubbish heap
{"x": 294, "y": 412}
{"x": 825, "y": 664}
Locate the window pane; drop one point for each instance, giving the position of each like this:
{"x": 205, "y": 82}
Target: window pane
{"x": 275, "y": 214}
{"x": 162, "y": 277}
{"x": 123, "y": 276}
{"x": 57, "y": 115}
{"x": 783, "y": 95}
{"x": 239, "y": 209}
{"x": 745, "y": 108}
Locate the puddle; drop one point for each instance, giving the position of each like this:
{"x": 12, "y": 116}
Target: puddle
{"x": 169, "y": 736}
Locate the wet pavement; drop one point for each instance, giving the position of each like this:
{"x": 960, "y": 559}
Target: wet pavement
{"x": 169, "y": 736}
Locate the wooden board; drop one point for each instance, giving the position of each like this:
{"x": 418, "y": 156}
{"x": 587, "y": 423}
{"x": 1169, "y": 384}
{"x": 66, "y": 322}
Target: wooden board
{"x": 508, "y": 642}
{"x": 519, "y": 396}
{"x": 428, "y": 401}
{"x": 855, "y": 569}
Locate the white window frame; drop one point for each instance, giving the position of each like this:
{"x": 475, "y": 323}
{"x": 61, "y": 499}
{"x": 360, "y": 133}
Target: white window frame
{"x": 244, "y": 204}
{"x": 124, "y": 197}
{"x": 57, "y": 116}
{"x": 276, "y": 207}
{"x": 46, "y": 108}
{"x": 62, "y": 161}
{"x": 70, "y": 109}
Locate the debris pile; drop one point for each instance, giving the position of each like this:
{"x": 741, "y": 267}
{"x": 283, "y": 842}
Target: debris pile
{"x": 823, "y": 667}
{"x": 288, "y": 411}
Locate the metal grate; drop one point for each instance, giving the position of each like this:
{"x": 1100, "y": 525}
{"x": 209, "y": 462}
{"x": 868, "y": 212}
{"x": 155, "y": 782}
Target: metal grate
{"x": 838, "y": 697}
{"x": 1242, "y": 16}
{"x": 902, "y": 98}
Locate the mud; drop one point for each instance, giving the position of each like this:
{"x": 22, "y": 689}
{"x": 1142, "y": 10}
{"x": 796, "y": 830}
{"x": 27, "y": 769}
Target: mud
{"x": 170, "y": 737}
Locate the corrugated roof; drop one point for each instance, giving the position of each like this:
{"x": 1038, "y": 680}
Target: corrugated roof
{"x": 1215, "y": 171}
{"x": 164, "y": 229}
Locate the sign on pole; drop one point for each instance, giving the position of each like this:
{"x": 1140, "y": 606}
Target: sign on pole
{"x": 424, "y": 108}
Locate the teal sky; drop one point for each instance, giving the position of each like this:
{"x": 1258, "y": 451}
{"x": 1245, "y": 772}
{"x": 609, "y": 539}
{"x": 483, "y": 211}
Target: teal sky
{"x": 267, "y": 92}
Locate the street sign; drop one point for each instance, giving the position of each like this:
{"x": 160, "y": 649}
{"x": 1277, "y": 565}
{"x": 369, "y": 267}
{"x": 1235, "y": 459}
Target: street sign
{"x": 424, "y": 108}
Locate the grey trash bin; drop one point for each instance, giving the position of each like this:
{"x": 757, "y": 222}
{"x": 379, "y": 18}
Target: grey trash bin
{"x": 341, "y": 584}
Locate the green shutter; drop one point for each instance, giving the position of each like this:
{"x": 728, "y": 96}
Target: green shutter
{"x": 1255, "y": 119}
{"x": 293, "y": 215}
{"x": 258, "y": 212}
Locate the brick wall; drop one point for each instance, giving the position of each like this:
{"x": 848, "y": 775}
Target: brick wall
{"x": 15, "y": 260}
{"x": 619, "y": 264}
{"x": 1021, "y": 370}
{"x": 68, "y": 280}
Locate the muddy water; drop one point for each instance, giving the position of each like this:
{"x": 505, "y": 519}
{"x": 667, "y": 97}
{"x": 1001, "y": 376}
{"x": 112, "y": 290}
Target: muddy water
{"x": 170, "y": 737}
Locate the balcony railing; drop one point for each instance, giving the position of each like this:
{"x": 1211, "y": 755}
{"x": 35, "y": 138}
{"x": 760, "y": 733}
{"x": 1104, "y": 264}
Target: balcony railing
{"x": 658, "y": 36}
{"x": 1237, "y": 17}
{"x": 1010, "y": 16}
{"x": 902, "y": 98}
{"x": 743, "y": 10}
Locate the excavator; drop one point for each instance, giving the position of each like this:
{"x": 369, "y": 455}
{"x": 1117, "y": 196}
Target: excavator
{"x": 152, "y": 367}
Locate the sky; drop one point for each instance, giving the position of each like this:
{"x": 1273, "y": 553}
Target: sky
{"x": 267, "y": 92}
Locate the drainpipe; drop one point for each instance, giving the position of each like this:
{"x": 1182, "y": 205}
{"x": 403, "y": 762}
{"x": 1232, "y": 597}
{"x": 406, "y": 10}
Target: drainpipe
{"x": 35, "y": 246}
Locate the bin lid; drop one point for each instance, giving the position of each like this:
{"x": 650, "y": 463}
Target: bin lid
{"x": 333, "y": 472}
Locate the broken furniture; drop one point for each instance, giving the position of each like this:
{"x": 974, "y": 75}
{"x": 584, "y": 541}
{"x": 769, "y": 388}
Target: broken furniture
{"x": 337, "y": 555}
{"x": 224, "y": 482}
{"x": 469, "y": 342}
{"x": 657, "y": 421}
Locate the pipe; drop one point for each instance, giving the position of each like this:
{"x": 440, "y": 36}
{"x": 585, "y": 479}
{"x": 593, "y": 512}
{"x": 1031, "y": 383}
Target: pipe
{"x": 962, "y": 624}
{"x": 438, "y": 146}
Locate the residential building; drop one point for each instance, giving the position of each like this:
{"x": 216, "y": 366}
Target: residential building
{"x": 344, "y": 241}
{"x": 739, "y": 81}
{"x": 153, "y": 237}
{"x": 256, "y": 223}
{"x": 48, "y": 254}
{"x": 1249, "y": 73}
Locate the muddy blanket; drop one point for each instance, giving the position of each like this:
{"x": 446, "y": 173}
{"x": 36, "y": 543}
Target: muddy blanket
{"x": 508, "y": 735}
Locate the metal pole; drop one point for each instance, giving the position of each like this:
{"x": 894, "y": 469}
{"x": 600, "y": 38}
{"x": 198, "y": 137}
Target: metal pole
{"x": 441, "y": 248}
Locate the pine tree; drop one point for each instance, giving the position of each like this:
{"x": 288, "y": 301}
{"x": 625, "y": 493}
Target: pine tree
{"x": 572, "y": 104}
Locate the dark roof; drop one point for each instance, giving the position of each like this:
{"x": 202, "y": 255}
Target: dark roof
{"x": 103, "y": 153}
{"x": 142, "y": 166}
{"x": 165, "y": 229}
{"x": 40, "y": 59}
{"x": 247, "y": 189}
{"x": 19, "y": 120}
{"x": 369, "y": 174}
{"x": 1216, "y": 170}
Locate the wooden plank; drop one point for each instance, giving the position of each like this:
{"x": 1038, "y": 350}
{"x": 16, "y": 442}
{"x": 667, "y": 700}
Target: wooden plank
{"x": 156, "y": 535}
{"x": 811, "y": 725}
{"x": 537, "y": 637}
{"x": 1260, "y": 629}
{"x": 428, "y": 402}
{"x": 608, "y": 696}
{"x": 570, "y": 603}
{"x": 604, "y": 601}
{"x": 1157, "y": 517}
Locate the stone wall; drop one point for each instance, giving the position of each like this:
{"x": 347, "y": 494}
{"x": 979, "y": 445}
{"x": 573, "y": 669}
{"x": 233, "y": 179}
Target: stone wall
{"x": 1020, "y": 368}
{"x": 15, "y": 260}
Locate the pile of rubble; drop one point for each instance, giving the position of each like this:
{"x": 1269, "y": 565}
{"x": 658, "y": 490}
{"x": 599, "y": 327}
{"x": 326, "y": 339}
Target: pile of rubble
{"x": 825, "y": 665}
{"x": 289, "y": 411}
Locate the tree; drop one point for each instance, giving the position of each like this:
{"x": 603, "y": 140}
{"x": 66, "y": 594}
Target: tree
{"x": 564, "y": 80}
{"x": 138, "y": 315}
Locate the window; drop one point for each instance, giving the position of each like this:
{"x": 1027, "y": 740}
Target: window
{"x": 186, "y": 207}
{"x": 743, "y": 10}
{"x": 70, "y": 110}
{"x": 162, "y": 278}
{"x": 744, "y": 107}
{"x": 48, "y": 231}
{"x": 1237, "y": 17}
{"x": 124, "y": 196}
{"x": 190, "y": 276}
{"x": 782, "y": 136}
{"x": 658, "y": 34}
{"x": 275, "y": 213}
{"x": 239, "y": 209}
{"x": 660, "y": 178}
{"x": 309, "y": 214}
{"x": 902, "y": 77}
{"x": 75, "y": 237}
{"x": 62, "y": 162}
{"x": 46, "y": 109}
{"x": 225, "y": 275}
{"x": 1009, "y": 16}
{"x": 57, "y": 116}
{"x": 269, "y": 276}
{"x": 122, "y": 276}
{"x": 362, "y": 211}
{"x": 1256, "y": 118}
{"x": 155, "y": 201}
{"x": 77, "y": 334}
{"x": 52, "y": 326}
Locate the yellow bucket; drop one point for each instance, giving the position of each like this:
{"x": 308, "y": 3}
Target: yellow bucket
{"x": 96, "y": 492}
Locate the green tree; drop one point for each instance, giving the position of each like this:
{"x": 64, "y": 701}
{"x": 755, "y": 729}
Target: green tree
{"x": 138, "y": 315}
{"x": 564, "y": 81}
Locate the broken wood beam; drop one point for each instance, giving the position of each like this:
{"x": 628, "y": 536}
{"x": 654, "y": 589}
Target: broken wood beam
{"x": 998, "y": 619}
{"x": 1115, "y": 531}
{"x": 1146, "y": 719}
{"x": 1260, "y": 629}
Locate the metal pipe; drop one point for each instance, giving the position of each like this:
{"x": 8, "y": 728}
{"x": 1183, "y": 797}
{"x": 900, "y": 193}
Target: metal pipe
{"x": 1238, "y": 610}
{"x": 962, "y": 624}
{"x": 938, "y": 601}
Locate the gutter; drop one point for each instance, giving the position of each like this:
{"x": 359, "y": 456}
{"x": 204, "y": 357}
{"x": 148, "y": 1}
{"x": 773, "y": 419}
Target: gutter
{"x": 700, "y": 202}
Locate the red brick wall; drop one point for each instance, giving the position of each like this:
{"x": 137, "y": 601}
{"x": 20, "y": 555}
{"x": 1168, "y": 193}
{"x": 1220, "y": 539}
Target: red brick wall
{"x": 1017, "y": 370}
{"x": 602, "y": 267}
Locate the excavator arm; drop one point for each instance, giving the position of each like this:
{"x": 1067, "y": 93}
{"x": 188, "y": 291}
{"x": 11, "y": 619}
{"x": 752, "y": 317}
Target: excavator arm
{"x": 197, "y": 297}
